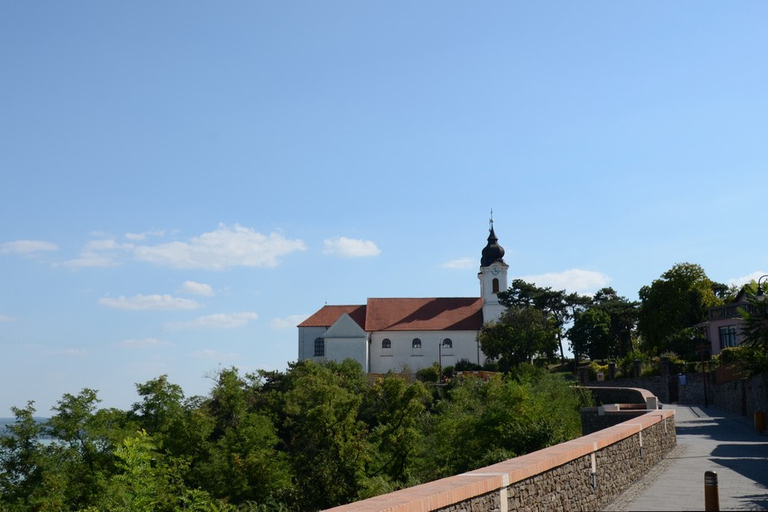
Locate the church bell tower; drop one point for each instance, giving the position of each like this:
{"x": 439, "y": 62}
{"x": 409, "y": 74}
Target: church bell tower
{"x": 493, "y": 277}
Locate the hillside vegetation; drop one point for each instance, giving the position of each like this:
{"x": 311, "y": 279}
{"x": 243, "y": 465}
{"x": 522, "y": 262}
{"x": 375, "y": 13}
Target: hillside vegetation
{"x": 312, "y": 437}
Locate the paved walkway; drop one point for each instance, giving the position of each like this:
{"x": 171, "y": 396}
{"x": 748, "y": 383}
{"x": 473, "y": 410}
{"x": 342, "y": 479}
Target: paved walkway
{"x": 709, "y": 439}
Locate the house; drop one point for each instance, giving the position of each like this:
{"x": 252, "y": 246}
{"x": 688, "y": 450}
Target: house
{"x": 723, "y": 325}
{"x": 394, "y": 333}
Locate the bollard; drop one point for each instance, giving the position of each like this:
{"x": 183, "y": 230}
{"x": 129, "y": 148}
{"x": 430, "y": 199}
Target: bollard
{"x": 711, "y": 493}
{"x": 760, "y": 421}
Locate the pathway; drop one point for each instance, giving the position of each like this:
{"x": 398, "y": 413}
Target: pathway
{"x": 708, "y": 439}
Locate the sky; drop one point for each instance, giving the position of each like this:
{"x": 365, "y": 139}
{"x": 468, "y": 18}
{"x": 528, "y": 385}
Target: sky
{"x": 183, "y": 182}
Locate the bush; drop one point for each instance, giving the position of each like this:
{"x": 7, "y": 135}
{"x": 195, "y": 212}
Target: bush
{"x": 596, "y": 367}
{"x": 429, "y": 374}
{"x": 752, "y": 360}
{"x": 465, "y": 365}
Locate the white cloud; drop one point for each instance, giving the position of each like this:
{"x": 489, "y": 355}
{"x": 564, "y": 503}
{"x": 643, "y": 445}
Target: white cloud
{"x": 149, "y": 302}
{"x": 7, "y": 318}
{"x": 27, "y": 247}
{"x": 226, "y": 247}
{"x": 574, "y": 280}
{"x": 105, "y": 252}
{"x": 90, "y": 259}
{"x": 194, "y": 288}
{"x": 288, "y": 322}
{"x": 142, "y": 343}
{"x": 214, "y": 355}
{"x": 350, "y": 248}
{"x": 216, "y": 321}
{"x": 143, "y": 236}
{"x": 460, "y": 264}
{"x": 107, "y": 244}
{"x": 741, "y": 281}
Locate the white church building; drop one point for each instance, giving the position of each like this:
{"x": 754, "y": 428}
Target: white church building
{"x": 393, "y": 333}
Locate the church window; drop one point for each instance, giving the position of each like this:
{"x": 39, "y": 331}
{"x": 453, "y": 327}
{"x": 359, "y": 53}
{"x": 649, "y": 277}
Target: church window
{"x": 495, "y": 285}
{"x": 416, "y": 343}
{"x": 447, "y": 343}
{"x": 386, "y": 343}
{"x": 319, "y": 347}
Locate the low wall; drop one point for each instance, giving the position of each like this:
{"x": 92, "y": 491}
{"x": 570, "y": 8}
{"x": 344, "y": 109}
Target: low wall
{"x": 744, "y": 396}
{"x": 583, "y": 474}
{"x": 656, "y": 385}
{"x": 607, "y": 394}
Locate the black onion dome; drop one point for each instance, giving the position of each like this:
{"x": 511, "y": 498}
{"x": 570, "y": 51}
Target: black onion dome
{"x": 492, "y": 252}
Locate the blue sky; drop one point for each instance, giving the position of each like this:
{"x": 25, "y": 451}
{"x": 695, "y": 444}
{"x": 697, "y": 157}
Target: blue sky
{"x": 183, "y": 182}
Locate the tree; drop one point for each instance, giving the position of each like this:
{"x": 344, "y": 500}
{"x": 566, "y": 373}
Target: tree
{"x": 677, "y": 301}
{"x": 477, "y": 425}
{"x": 22, "y": 463}
{"x": 591, "y": 334}
{"x": 326, "y": 441}
{"x": 521, "y": 334}
{"x": 755, "y": 326}
{"x": 392, "y": 409}
{"x": 82, "y": 447}
{"x": 605, "y": 328}
{"x": 558, "y": 306}
{"x": 240, "y": 460}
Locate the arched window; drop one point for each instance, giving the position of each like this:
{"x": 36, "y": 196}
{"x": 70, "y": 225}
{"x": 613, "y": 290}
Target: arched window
{"x": 447, "y": 343}
{"x": 386, "y": 343}
{"x": 495, "y": 285}
{"x": 416, "y": 343}
{"x": 319, "y": 347}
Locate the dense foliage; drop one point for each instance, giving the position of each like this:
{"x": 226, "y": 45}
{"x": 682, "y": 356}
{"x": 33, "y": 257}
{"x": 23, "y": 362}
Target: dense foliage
{"x": 313, "y": 437}
{"x": 673, "y": 304}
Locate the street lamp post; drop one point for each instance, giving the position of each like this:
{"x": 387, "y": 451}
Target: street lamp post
{"x": 760, "y": 294}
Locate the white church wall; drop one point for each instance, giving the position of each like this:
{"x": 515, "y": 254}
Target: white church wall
{"x": 307, "y": 337}
{"x": 402, "y": 354}
{"x": 339, "y": 349}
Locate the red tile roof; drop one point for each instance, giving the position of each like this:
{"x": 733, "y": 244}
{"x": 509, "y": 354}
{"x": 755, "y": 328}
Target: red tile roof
{"x": 327, "y": 316}
{"x": 430, "y": 314}
{"x": 426, "y": 314}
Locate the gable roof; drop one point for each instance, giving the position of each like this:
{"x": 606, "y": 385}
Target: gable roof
{"x": 345, "y": 327}
{"x": 327, "y": 316}
{"x": 427, "y": 314}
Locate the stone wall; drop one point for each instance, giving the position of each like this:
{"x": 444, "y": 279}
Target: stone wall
{"x": 594, "y": 419}
{"x": 657, "y": 385}
{"x": 583, "y": 474}
{"x": 743, "y": 396}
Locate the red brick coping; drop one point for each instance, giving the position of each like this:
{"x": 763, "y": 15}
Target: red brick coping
{"x": 455, "y": 489}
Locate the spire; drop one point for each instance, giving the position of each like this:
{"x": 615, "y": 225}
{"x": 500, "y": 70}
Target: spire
{"x": 492, "y": 252}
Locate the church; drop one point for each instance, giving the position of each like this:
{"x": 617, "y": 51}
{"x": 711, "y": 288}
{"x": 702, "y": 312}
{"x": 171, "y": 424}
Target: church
{"x": 395, "y": 333}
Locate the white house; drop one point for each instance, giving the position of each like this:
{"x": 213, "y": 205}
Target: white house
{"x": 390, "y": 334}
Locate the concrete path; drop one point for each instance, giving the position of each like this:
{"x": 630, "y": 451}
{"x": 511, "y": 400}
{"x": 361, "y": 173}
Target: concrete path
{"x": 709, "y": 439}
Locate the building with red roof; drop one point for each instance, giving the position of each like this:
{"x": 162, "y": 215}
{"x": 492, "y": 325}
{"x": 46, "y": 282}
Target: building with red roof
{"x": 391, "y": 334}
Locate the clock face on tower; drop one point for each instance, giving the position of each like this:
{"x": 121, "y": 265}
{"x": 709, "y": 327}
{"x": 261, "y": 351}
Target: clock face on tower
{"x": 495, "y": 270}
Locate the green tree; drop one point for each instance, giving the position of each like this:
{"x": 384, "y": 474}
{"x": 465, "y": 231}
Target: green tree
{"x": 755, "y": 326}
{"x": 82, "y": 448}
{"x": 558, "y": 306}
{"x": 605, "y": 328}
{"x": 240, "y": 462}
{"x": 477, "y": 425}
{"x": 22, "y": 461}
{"x": 672, "y": 304}
{"x": 521, "y": 334}
{"x": 392, "y": 409}
{"x": 325, "y": 439}
{"x": 591, "y": 334}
